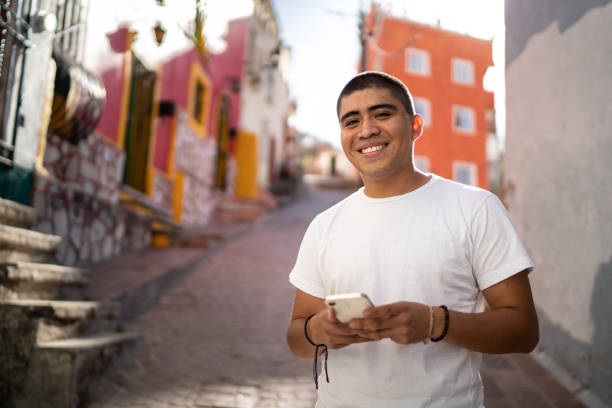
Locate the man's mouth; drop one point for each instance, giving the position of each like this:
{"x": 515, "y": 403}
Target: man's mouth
{"x": 371, "y": 149}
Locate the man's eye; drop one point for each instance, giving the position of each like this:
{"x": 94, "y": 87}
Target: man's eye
{"x": 350, "y": 123}
{"x": 383, "y": 114}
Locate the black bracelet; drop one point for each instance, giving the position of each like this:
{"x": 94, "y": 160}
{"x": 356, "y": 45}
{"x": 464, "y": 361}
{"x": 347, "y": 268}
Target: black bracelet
{"x": 316, "y": 354}
{"x": 446, "y": 321}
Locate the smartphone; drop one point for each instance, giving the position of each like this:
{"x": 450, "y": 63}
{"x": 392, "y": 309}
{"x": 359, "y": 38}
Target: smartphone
{"x": 348, "y": 306}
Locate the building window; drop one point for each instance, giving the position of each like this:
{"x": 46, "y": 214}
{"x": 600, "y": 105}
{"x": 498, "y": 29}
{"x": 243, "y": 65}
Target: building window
{"x": 463, "y": 119}
{"x": 417, "y": 61}
{"x": 422, "y": 106}
{"x": 198, "y": 102}
{"x": 70, "y": 32}
{"x": 490, "y": 120}
{"x": 463, "y": 71}
{"x": 465, "y": 173}
{"x": 422, "y": 163}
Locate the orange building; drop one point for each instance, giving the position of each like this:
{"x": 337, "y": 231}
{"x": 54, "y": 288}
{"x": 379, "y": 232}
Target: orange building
{"x": 444, "y": 72}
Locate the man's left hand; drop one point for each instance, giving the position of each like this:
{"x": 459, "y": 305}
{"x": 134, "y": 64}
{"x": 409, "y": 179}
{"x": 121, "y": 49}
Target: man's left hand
{"x": 402, "y": 322}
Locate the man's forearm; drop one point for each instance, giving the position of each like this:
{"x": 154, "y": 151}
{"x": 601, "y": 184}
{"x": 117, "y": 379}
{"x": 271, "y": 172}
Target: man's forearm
{"x": 505, "y": 330}
{"x": 297, "y": 341}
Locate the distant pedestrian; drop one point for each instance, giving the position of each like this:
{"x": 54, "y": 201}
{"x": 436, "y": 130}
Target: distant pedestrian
{"x": 430, "y": 253}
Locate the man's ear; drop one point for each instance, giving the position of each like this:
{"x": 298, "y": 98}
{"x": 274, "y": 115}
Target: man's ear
{"x": 417, "y": 126}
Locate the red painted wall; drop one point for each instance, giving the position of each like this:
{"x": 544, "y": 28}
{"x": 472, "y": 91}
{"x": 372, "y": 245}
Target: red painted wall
{"x": 440, "y": 142}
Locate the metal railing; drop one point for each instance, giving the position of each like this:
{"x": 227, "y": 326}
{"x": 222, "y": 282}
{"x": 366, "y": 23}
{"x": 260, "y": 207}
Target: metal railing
{"x": 13, "y": 42}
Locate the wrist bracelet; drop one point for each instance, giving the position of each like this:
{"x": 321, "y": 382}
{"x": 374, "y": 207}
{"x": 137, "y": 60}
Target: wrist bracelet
{"x": 316, "y": 354}
{"x": 446, "y": 323}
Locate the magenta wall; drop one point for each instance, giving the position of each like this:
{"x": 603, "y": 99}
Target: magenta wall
{"x": 109, "y": 122}
{"x": 227, "y": 65}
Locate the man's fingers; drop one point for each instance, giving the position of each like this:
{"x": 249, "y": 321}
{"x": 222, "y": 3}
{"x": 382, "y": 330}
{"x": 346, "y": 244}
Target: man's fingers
{"x": 370, "y": 324}
{"x": 387, "y": 310}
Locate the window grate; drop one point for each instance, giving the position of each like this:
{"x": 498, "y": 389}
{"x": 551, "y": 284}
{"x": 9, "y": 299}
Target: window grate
{"x": 71, "y": 16}
{"x": 13, "y": 42}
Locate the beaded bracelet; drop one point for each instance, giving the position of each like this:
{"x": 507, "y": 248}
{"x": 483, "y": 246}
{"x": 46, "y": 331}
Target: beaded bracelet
{"x": 446, "y": 323}
{"x": 316, "y": 354}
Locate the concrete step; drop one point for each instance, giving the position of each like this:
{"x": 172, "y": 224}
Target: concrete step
{"x": 60, "y": 372}
{"x": 46, "y": 320}
{"x": 26, "y": 280}
{"x": 18, "y": 244}
{"x": 15, "y": 214}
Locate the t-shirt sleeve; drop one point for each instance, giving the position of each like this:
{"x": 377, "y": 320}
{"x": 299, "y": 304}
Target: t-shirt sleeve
{"x": 305, "y": 275}
{"x": 497, "y": 251}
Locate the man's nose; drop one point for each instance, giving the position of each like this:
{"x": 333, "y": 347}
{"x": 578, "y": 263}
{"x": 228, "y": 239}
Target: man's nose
{"x": 369, "y": 128}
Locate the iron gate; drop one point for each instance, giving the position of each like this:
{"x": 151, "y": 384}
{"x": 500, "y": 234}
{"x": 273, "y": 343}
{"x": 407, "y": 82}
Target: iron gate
{"x": 13, "y": 42}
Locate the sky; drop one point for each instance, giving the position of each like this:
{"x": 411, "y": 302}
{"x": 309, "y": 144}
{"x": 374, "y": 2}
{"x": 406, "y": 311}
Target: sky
{"x": 322, "y": 36}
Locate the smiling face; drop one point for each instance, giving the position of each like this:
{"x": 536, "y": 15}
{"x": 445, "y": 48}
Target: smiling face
{"x": 377, "y": 135}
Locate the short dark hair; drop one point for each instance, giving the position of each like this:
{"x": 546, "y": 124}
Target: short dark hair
{"x": 376, "y": 79}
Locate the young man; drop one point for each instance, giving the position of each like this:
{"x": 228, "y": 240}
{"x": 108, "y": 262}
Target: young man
{"x": 426, "y": 251}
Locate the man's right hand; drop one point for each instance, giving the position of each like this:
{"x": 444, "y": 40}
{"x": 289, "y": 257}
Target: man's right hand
{"x": 324, "y": 328}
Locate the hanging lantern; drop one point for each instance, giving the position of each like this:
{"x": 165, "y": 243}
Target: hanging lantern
{"x": 160, "y": 33}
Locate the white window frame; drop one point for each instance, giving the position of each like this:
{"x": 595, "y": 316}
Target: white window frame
{"x": 458, "y": 109}
{"x": 470, "y": 167}
{"x": 421, "y": 70}
{"x": 422, "y": 163}
{"x": 427, "y": 113}
{"x": 457, "y": 66}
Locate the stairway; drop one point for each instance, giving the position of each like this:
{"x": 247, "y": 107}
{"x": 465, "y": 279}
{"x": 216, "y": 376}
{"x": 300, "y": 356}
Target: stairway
{"x": 53, "y": 342}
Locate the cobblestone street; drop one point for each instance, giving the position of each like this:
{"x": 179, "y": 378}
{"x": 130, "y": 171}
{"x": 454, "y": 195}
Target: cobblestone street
{"x": 219, "y": 338}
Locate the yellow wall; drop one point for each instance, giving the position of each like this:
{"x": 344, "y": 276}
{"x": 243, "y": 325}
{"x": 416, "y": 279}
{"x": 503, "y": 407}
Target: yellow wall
{"x": 125, "y": 95}
{"x": 179, "y": 182}
{"x": 246, "y": 161}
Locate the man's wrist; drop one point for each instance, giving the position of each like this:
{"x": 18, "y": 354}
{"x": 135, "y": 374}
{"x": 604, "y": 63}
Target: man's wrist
{"x": 308, "y": 330}
{"x": 446, "y": 321}
{"x": 438, "y": 322}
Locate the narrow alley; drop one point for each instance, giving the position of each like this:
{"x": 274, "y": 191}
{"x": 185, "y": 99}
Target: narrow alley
{"x": 218, "y": 339}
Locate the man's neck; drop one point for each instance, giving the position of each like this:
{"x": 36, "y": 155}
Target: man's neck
{"x": 381, "y": 188}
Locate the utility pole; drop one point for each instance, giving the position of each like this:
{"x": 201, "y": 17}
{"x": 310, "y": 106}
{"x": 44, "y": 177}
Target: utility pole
{"x": 362, "y": 39}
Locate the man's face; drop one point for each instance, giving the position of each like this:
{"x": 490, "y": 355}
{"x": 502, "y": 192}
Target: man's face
{"x": 377, "y": 133}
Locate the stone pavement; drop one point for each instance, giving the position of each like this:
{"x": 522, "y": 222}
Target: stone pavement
{"x": 217, "y": 338}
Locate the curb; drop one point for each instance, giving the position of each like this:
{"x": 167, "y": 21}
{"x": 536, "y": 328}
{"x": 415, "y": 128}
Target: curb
{"x": 571, "y": 383}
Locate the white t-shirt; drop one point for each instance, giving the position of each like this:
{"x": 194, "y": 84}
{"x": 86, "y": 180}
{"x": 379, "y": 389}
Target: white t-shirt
{"x": 440, "y": 244}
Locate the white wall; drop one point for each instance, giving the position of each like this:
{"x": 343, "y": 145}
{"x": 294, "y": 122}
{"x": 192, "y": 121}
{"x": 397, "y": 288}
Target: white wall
{"x": 265, "y": 104}
{"x": 559, "y": 165}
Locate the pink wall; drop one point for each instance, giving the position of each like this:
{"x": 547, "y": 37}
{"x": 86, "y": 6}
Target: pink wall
{"x": 227, "y": 65}
{"x": 174, "y": 87}
{"x": 118, "y": 48}
{"x": 109, "y": 122}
